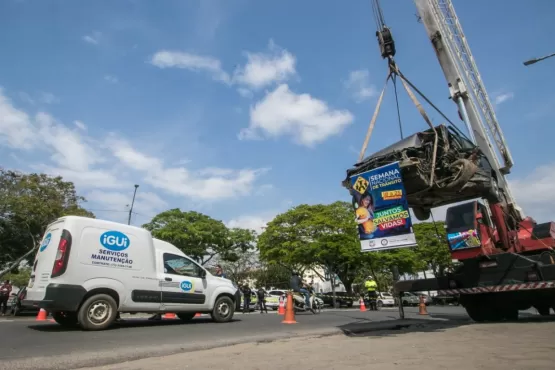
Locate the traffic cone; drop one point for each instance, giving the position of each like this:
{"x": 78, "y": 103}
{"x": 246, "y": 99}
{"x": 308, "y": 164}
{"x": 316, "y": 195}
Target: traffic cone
{"x": 281, "y": 308}
{"x": 422, "y": 307}
{"x": 41, "y": 316}
{"x": 289, "y": 311}
{"x": 362, "y": 306}
{"x": 169, "y": 315}
{"x": 198, "y": 314}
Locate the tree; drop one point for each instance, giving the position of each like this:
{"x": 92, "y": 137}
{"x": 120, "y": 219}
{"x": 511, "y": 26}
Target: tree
{"x": 306, "y": 235}
{"x": 28, "y": 204}
{"x": 200, "y": 236}
{"x": 433, "y": 250}
{"x": 272, "y": 276}
{"x": 241, "y": 268}
{"x": 19, "y": 278}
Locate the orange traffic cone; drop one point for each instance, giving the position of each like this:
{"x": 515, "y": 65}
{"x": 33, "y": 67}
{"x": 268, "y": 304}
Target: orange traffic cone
{"x": 41, "y": 316}
{"x": 422, "y": 307}
{"x": 281, "y": 308}
{"x": 289, "y": 311}
{"x": 169, "y": 315}
{"x": 198, "y": 314}
{"x": 362, "y": 306}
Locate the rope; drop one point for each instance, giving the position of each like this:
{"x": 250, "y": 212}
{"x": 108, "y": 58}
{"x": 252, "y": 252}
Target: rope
{"x": 373, "y": 120}
{"x": 394, "y": 79}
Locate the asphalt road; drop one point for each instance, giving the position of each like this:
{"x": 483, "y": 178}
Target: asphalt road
{"x": 28, "y": 344}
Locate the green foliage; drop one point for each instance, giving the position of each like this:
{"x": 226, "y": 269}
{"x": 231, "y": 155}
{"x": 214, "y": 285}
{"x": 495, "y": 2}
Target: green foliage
{"x": 272, "y": 275}
{"x": 319, "y": 234}
{"x": 28, "y": 204}
{"x": 19, "y": 278}
{"x": 432, "y": 250}
{"x": 200, "y": 236}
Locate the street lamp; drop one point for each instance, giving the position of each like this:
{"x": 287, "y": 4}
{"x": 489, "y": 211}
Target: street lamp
{"x": 535, "y": 60}
{"x": 132, "y": 203}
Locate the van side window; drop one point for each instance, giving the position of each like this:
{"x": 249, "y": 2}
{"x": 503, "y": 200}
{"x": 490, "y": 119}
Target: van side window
{"x": 179, "y": 265}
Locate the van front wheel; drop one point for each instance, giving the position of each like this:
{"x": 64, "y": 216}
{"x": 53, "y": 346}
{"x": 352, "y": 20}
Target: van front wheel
{"x": 223, "y": 309}
{"x": 98, "y": 312}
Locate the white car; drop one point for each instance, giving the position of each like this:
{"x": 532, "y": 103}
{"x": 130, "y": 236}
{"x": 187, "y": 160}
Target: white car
{"x": 385, "y": 299}
{"x": 88, "y": 270}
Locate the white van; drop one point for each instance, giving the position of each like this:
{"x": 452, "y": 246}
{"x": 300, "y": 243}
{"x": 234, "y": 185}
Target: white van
{"x": 87, "y": 270}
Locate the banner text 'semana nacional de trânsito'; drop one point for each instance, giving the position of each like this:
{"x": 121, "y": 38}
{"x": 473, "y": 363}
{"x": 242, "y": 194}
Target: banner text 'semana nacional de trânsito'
{"x": 381, "y": 209}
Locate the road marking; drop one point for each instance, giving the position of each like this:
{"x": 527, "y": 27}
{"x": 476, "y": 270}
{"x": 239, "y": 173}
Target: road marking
{"x": 6, "y": 321}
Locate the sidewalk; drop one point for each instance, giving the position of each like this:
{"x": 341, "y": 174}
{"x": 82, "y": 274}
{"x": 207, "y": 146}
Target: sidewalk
{"x": 489, "y": 346}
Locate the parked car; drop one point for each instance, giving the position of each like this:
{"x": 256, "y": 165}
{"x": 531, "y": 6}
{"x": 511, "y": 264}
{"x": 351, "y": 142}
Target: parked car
{"x": 273, "y": 299}
{"x": 462, "y": 171}
{"x": 16, "y": 303}
{"x": 443, "y": 300}
{"x": 386, "y": 299}
{"x": 413, "y": 299}
{"x": 342, "y": 299}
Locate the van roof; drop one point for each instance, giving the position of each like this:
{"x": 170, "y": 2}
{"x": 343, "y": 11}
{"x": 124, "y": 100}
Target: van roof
{"x": 96, "y": 221}
{"x": 166, "y": 247}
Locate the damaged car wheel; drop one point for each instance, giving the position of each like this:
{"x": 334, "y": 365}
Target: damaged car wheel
{"x": 422, "y": 214}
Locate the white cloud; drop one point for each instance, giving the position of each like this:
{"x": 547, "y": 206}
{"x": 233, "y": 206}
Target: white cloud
{"x": 501, "y": 98}
{"x": 358, "y": 84}
{"x": 307, "y": 119}
{"x": 146, "y": 204}
{"x": 262, "y": 69}
{"x": 111, "y": 79}
{"x": 256, "y": 222}
{"x": 265, "y": 68}
{"x": 534, "y": 193}
{"x": 91, "y": 164}
{"x": 191, "y": 62}
{"x": 80, "y": 125}
{"x": 93, "y": 38}
{"x": 206, "y": 184}
{"x": 49, "y": 98}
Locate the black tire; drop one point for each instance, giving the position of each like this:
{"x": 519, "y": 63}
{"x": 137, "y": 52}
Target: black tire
{"x": 543, "y": 310}
{"x": 103, "y": 306}
{"x": 66, "y": 319}
{"x": 186, "y": 316}
{"x": 422, "y": 214}
{"x": 223, "y": 310}
{"x": 405, "y": 303}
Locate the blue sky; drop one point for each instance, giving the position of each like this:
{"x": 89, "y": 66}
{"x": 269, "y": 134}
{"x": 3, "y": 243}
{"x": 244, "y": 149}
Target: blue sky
{"x": 241, "y": 109}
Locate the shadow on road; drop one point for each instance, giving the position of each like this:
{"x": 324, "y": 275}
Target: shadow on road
{"x": 436, "y": 322}
{"x": 127, "y": 324}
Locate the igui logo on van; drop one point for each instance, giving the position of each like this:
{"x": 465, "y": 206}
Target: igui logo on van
{"x": 186, "y": 286}
{"x": 45, "y": 242}
{"x": 114, "y": 241}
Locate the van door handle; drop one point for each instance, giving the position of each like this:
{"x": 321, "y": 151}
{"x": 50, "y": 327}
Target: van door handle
{"x": 168, "y": 279}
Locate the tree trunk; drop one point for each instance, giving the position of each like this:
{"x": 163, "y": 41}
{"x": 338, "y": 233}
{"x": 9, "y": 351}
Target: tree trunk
{"x": 332, "y": 280}
{"x": 16, "y": 262}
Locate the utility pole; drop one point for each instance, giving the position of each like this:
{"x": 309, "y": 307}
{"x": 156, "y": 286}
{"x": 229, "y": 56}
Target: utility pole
{"x": 535, "y": 60}
{"x": 132, "y": 203}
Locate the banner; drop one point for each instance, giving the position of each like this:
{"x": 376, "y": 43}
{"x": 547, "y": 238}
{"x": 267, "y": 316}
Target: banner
{"x": 381, "y": 209}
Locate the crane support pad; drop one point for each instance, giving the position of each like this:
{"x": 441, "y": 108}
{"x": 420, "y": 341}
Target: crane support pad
{"x": 500, "y": 288}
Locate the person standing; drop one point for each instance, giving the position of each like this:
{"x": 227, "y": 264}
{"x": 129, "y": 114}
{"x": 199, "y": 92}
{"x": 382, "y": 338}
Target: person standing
{"x": 220, "y": 272}
{"x": 261, "y": 293}
{"x": 5, "y": 290}
{"x": 246, "y": 298}
{"x": 371, "y": 286}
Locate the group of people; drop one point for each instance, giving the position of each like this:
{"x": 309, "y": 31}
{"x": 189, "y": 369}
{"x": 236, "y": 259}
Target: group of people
{"x": 260, "y": 295}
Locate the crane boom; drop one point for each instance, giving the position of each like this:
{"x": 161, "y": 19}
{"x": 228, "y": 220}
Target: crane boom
{"x": 456, "y": 60}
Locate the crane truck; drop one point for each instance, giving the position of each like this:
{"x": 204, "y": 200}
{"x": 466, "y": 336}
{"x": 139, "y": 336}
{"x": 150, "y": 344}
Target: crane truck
{"x": 507, "y": 261}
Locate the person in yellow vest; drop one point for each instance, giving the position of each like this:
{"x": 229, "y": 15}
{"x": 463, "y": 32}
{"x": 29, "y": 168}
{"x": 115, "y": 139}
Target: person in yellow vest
{"x": 365, "y": 213}
{"x": 371, "y": 287}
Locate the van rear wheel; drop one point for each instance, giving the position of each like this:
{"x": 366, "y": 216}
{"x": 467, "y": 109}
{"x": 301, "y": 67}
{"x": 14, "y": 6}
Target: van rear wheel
{"x": 223, "y": 309}
{"x": 98, "y": 312}
{"x": 66, "y": 319}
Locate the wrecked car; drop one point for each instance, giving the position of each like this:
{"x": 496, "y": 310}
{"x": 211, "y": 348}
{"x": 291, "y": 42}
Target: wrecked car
{"x": 462, "y": 172}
